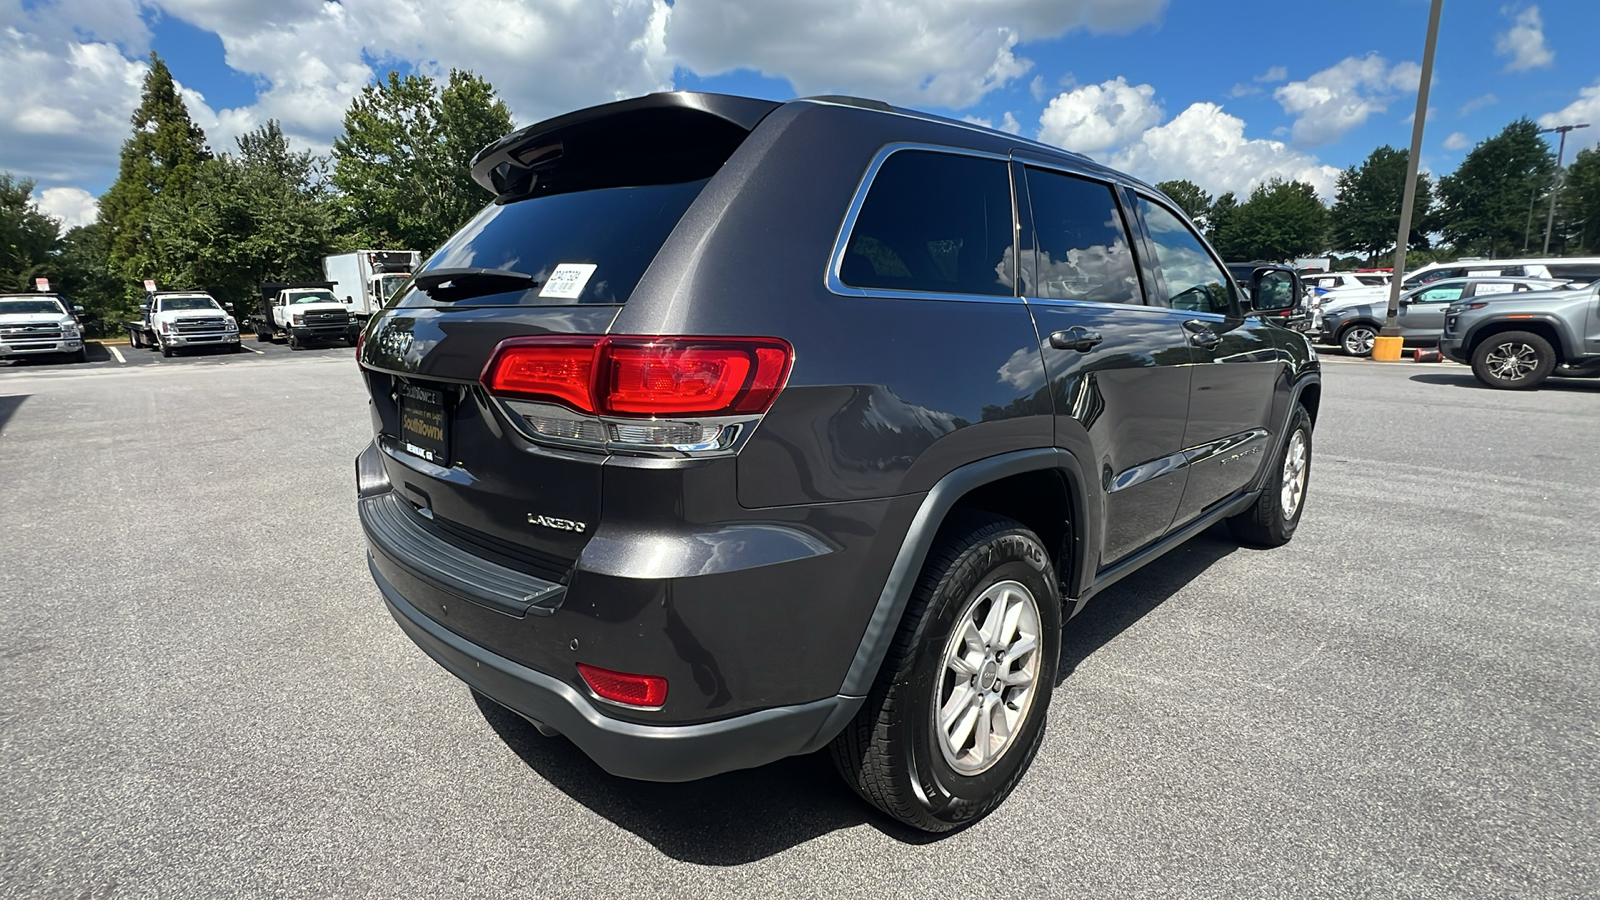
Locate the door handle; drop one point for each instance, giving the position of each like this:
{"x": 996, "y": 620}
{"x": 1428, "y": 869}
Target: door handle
{"x": 1201, "y": 335}
{"x": 1075, "y": 338}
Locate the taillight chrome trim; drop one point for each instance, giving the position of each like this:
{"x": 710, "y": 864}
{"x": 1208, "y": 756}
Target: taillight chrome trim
{"x": 730, "y": 434}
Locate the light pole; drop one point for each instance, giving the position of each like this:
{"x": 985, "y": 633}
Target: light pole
{"x": 1386, "y": 346}
{"x": 1555, "y": 188}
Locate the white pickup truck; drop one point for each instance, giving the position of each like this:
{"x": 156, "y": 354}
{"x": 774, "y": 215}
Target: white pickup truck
{"x": 183, "y": 320}
{"x": 39, "y": 325}
{"x": 302, "y": 314}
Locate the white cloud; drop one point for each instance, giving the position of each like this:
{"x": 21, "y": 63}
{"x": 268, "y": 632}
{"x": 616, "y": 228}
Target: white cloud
{"x": 72, "y": 206}
{"x": 941, "y": 53}
{"x": 1009, "y": 124}
{"x": 1343, "y": 96}
{"x": 1095, "y": 117}
{"x": 1477, "y": 103}
{"x": 1273, "y": 75}
{"x": 1584, "y": 109}
{"x": 1524, "y": 42}
{"x": 1207, "y": 146}
{"x": 1457, "y": 141}
{"x": 1038, "y": 88}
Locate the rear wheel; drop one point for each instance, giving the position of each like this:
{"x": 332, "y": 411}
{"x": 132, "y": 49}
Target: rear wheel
{"x": 1356, "y": 340}
{"x": 263, "y": 335}
{"x": 1513, "y": 360}
{"x": 1272, "y": 521}
{"x": 958, "y": 709}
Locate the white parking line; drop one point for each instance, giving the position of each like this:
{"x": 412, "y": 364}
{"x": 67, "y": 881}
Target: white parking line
{"x": 252, "y": 349}
{"x": 117, "y": 353}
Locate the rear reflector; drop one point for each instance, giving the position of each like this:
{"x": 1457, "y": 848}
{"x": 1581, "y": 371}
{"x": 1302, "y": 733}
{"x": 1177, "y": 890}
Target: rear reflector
{"x": 620, "y": 687}
{"x": 642, "y": 377}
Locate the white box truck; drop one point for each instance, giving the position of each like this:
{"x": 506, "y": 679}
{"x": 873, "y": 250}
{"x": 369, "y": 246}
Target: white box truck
{"x": 368, "y": 278}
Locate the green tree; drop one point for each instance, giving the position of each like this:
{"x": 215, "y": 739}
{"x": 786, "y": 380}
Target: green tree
{"x": 1580, "y": 203}
{"x": 263, "y": 214}
{"x": 1194, "y": 202}
{"x": 1485, "y": 203}
{"x": 161, "y": 158}
{"x": 401, "y": 166}
{"x": 1281, "y": 220}
{"x": 83, "y": 272}
{"x": 28, "y": 237}
{"x": 1221, "y": 213}
{"x": 1365, "y": 217}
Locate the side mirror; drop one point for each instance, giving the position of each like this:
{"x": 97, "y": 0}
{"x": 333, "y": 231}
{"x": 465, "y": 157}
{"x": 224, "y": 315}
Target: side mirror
{"x": 144, "y": 307}
{"x": 77, "y": 310}
{"x": 228, "y": 307}
{"x": 1272, "y": 290}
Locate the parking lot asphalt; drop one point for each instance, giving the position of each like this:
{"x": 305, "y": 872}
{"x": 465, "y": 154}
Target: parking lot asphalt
{"x": 103, "y": 355}
{"x": 202, "y": 695}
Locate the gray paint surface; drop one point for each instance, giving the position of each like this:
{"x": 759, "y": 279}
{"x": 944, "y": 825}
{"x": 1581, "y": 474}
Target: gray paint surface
{"x": 1399, "y": 703}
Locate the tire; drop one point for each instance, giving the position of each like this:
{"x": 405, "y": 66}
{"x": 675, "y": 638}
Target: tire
{"x": 236, "y": 348}
{"x": 263, "y": 335}
{"x": 136, "y": 340}
{"x": 165, "y": 350}
{"x": 894, "y": 753}
{"x": 1356, "y": 340}
{"x": 80, "y": 357}
{"x": 1513, "y": 360}
{"x": 294, "y": 341}
{"x": 1272, "y": 521}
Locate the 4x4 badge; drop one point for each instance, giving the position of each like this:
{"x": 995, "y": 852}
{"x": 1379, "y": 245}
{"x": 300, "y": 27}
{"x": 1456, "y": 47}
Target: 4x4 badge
{"x": 558, "y": 524}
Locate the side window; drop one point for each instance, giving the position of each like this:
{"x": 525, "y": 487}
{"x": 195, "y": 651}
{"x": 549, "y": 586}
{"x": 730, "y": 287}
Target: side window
{"x": 1195, "y": 283}
{"x": 1081, "y": 240}
{"x": 936, "y": 222}
{"x": 1440, "y": 295}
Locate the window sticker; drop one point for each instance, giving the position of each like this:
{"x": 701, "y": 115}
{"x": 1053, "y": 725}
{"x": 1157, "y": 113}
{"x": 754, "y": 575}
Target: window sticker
{"x": 568, "y": 281}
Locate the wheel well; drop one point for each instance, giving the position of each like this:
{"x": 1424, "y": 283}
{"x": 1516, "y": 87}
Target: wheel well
{"x": 1040, "y": 500}
{"x": 1311, "y": 399}
{"x": 1542, "y": 329}
{"x": 1370, "y": 323}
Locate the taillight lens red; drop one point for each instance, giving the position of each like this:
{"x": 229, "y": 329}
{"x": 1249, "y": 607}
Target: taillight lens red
{"x": 643, "y": 376}
{"x": 621, "y": 687}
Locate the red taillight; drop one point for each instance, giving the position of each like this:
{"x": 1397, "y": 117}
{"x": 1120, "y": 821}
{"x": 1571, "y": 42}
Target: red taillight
{"x": 643, "y": 377}
{"x": 559, "y": 369}
{"x": 620, "y": 687}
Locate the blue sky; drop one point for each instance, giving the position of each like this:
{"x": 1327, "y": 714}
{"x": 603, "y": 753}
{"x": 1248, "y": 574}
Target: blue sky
{"x": 1226, "y": 94}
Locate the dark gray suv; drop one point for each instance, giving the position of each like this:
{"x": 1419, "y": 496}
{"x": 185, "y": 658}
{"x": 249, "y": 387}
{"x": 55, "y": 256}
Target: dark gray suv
{"x": 734, "y": 429}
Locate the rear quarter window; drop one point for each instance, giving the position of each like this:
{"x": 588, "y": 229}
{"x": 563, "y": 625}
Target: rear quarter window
{"x": 936, "y": 223}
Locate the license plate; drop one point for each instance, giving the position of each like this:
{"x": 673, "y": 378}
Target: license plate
{"x": 424, "y": 423}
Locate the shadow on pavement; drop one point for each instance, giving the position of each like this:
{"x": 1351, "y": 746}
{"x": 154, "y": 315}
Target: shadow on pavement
{"x": 9, "y": 406}
{"x": 1467, "y": 380}
{"x": 1112, "y": 612}
{"x": 727, "y": 820}
{"x": 745, "y": 816}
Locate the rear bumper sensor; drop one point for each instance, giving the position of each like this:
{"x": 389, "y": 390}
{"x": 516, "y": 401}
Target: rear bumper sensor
{"x": 400, "y": 535}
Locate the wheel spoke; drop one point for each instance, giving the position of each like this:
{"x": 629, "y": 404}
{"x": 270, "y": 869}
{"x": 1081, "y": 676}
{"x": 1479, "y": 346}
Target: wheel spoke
{"x": 962, "y": 666}
{"x": 1019, "y": 678}
{"x": 961, "y": 699}
{"x": 1016, "y": 651}
{"x": 985, "y": 732}
{"x": 965, "y": 722}
{"x": 992, "y": 622}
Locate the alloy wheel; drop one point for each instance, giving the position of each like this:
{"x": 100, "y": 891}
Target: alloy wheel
{"x": 1512, "y": 361}
{"x": 1294, "y": 475}
{"x": 987, "y": 680}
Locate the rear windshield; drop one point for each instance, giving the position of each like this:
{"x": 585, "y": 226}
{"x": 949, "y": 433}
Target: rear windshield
{"x": 584, "y": 247}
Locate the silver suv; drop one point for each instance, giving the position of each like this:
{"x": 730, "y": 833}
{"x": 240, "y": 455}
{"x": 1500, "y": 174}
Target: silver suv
{"x": 1421, "y": 313}
{"x": 1516, "y": 341}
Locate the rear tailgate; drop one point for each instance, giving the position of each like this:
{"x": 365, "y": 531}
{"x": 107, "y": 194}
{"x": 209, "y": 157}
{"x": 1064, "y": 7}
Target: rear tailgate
{"x": 584, "y": 203}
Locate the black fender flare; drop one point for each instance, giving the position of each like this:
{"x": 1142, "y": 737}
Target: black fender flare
{"x": 1306, "y": 379}
{"x": 936, "y": 504}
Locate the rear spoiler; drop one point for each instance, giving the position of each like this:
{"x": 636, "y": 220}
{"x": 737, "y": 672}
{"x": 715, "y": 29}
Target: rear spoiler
{"x": 654, "y": 139}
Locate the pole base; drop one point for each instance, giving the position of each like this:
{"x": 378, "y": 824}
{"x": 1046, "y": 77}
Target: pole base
{"x": 1387, "y": 349}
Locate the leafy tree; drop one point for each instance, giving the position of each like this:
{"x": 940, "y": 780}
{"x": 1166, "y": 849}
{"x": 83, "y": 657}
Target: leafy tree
{"x": 1580, "y": 203}
{"x": 161, "y": 159}
{"x": 264, "y": 214}
{"x": 1194, "y": 202}
{"x": 1366, "y": 209}
{"x": 401, "y": 165}
{"x": 1280, "y": 221}
{"x": 28, "y": 237}
{"x": 82, "y": 272}
{"x": 1485, "y": 202}
{"x": 1221, "y": 213}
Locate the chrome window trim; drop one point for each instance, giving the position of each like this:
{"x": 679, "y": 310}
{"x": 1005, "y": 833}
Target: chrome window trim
{"x": 842, "y": 241}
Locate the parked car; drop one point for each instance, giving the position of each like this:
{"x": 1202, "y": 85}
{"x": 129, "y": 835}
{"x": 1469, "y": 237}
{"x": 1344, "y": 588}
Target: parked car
{"x": 1516, "y": 341}
{"x": 737, "y": 429}
{"x": 1329, "y": 281}
{"x": 40, "y": 324}
{"x": 174, "y": 321}
{"x": 1420, "y": 316}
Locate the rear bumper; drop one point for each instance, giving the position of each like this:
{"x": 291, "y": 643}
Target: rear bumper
{"x": 626, "y": 749}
